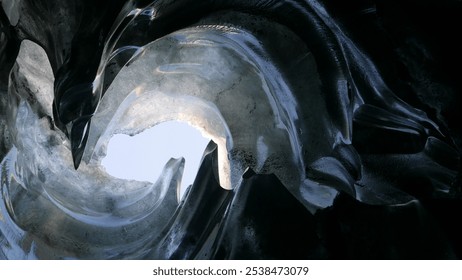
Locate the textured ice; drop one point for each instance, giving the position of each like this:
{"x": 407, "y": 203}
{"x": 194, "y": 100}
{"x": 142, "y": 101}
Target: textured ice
{"x": 333, "y": 125}
{"x": 200, "y": 75}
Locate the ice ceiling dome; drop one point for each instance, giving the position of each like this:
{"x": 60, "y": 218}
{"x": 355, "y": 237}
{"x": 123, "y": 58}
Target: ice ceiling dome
{"x": 320, "y": 149}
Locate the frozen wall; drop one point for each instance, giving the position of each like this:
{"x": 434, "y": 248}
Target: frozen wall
{"x": 334, "y": 129}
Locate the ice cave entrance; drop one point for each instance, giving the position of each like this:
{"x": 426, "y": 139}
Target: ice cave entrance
{"x": 143, "y": 156}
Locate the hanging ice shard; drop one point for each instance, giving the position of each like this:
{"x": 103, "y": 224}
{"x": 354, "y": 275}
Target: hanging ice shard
{"x": 336, "y": 122}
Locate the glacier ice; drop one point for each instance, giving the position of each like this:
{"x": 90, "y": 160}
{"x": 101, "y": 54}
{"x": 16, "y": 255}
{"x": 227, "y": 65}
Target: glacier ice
{"x": 334, "y": 130}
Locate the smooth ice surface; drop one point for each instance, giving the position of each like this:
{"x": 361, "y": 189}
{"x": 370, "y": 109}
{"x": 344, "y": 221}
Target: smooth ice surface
{"x": 194, "y": 75}
{"x": 334, "y": 126}
{"x": 11, "y": 8}
{"x": 142, "y": 157}
{"x": 73, "y": 211}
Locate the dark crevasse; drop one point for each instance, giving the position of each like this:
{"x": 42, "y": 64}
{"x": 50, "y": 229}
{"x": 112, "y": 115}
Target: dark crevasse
{"x": 334, "y": 128}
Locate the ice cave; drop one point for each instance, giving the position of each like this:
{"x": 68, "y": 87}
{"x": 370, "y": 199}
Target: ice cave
{"x": 333, "y": 128}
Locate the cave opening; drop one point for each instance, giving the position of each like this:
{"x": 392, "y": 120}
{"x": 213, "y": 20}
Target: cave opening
{"x": 142, "y": 157}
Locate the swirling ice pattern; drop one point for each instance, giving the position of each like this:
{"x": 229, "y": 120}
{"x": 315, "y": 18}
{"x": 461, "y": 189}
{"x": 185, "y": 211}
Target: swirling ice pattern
{"x": 315, "y": 153}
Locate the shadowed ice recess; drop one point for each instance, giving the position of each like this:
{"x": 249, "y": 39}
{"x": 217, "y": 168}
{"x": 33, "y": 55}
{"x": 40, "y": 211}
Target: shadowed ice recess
{"x": 319, "y": 147}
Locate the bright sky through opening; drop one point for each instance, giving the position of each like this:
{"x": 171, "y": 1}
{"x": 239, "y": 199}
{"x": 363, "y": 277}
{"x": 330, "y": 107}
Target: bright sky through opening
{"x": 143, "y": 156}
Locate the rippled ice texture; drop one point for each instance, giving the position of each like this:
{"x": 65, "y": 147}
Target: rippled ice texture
{"x": 314, "y": 154}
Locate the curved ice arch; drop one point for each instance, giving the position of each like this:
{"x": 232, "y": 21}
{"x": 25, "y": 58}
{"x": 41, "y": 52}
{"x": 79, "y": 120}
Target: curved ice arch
{"x": 50, "y": 210}
{"x": 221, "y": 79}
